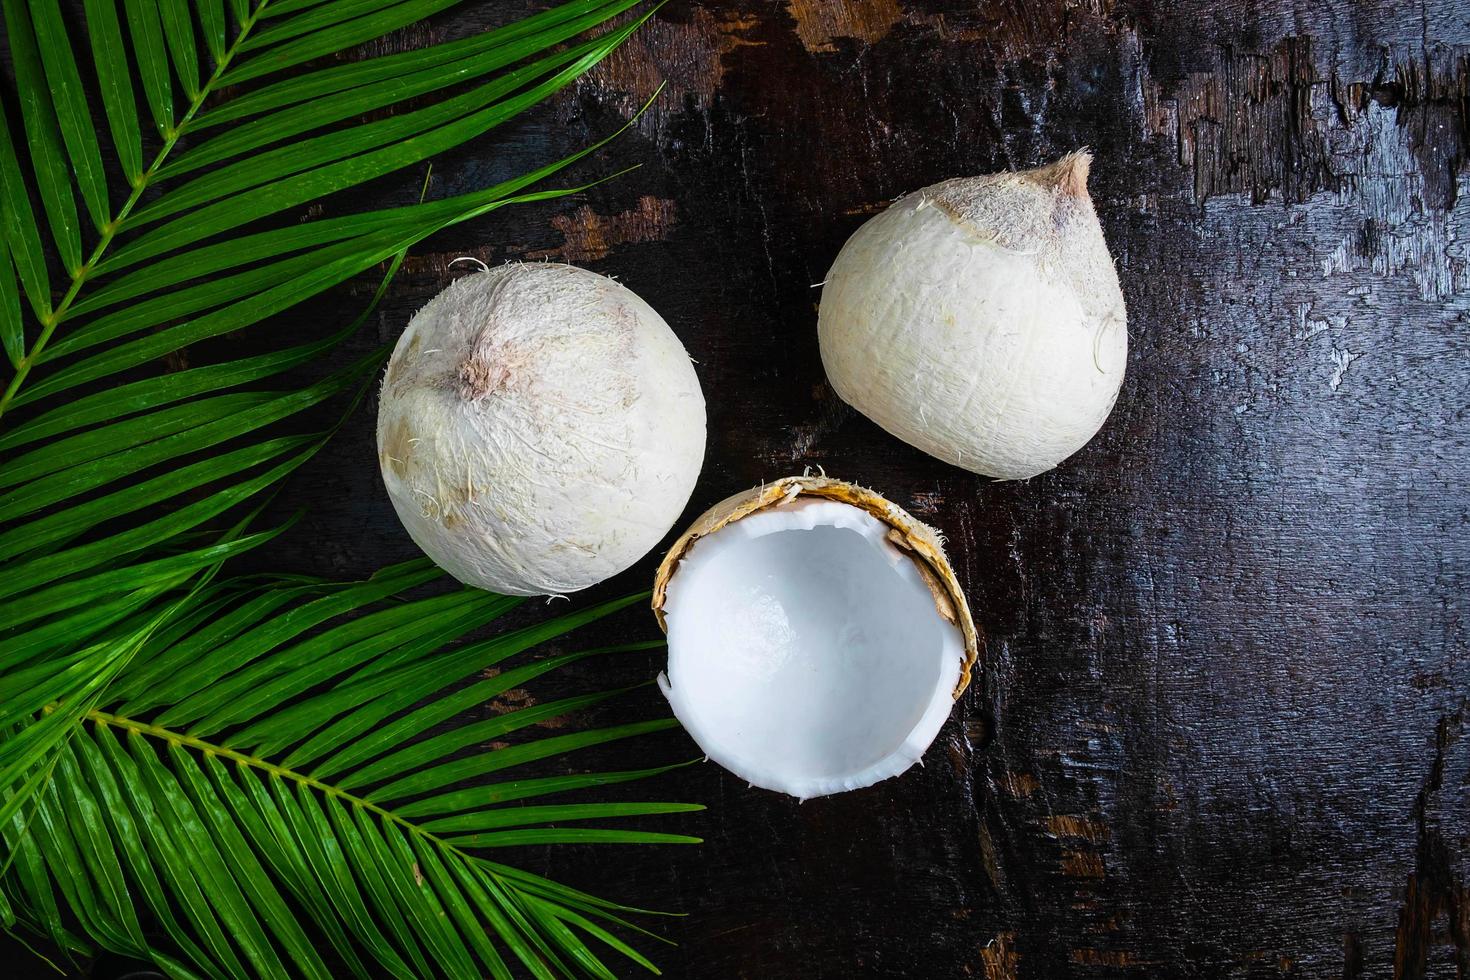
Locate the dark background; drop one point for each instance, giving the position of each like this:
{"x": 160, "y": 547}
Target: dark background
{"x": 1219, "y": 730}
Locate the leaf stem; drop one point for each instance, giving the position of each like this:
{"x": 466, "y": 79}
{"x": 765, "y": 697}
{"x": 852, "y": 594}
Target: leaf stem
{"x": 109, "y": 230}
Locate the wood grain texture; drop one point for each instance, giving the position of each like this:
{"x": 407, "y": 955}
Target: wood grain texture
{"x": 1220, "y": 726}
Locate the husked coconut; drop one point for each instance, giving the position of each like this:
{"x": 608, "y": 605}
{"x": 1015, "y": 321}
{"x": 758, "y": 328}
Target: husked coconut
{"x": 540, "y": 429}
{"x": 817, "y": 636}
{"x": 981, "y": 320}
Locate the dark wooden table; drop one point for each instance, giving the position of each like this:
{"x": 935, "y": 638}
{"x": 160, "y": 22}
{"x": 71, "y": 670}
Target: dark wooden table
{"x": 1220, "y": 729}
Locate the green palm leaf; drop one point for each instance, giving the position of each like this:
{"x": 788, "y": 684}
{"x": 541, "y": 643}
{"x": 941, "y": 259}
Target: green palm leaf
{"x": 256, "y": 770}
{"x": 244, "y": 798}
{"x": 262, "y": 179}
{"x": 43, "y": 136}
{"x": 71, "y": 107}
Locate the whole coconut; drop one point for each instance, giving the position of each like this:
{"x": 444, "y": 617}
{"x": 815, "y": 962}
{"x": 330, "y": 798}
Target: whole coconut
{"x": 540, "y": 429}
{"x": 981, "y": 320}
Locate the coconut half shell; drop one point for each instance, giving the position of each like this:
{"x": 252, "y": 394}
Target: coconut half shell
{"x": 817, "y": 636}
{"x": 919, "y": 540}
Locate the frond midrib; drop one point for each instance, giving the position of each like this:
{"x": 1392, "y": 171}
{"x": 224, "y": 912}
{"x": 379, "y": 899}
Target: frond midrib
{"x": 105, "y": 719}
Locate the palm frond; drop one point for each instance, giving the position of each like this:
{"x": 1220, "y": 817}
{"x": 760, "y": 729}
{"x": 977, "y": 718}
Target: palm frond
{"x": 289, "y": 753}
{"x": 279, "y": 160}
{"x": 206, "y": 757}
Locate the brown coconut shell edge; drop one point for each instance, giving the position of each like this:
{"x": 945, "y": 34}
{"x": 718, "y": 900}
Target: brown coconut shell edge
{"x": 918, "y": 540}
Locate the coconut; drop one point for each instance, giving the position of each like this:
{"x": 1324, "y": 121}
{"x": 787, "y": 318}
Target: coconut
{"x": 540, "y": 429}
{"x": 981, "y": 320}
{"x": 817, "y": 635}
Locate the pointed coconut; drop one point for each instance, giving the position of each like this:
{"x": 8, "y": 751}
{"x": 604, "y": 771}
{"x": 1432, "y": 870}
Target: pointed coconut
{"x": 981, "y": 320}
{"x": 817, "y": 635}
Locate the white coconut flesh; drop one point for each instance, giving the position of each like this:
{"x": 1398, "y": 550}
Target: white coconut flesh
{"x": 806, "y": 652}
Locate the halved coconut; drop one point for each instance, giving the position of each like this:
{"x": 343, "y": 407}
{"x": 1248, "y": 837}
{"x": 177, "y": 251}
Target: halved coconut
{"x": 817, "y": 635}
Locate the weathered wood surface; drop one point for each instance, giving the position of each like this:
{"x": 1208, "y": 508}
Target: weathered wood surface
{"x": 1220, "y": 729}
